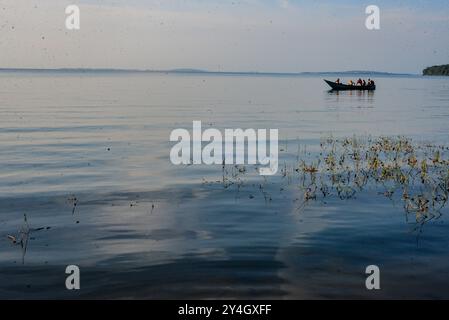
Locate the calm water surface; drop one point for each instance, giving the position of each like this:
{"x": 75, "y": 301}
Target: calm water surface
{"x": 144, "y": 228}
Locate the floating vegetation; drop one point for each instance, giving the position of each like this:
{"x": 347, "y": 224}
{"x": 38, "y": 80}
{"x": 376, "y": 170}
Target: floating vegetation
{"x": 23, "y": 236}
{"x": 417, "y": 174}
{"x": 413, "y": 174}
{"x": 73, "y": 202}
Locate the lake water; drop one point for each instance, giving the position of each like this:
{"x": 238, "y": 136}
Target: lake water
{"x": 86, "y": 157}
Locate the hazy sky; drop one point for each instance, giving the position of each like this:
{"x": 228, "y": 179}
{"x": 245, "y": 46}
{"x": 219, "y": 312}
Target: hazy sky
{"x": 246, "y": 35}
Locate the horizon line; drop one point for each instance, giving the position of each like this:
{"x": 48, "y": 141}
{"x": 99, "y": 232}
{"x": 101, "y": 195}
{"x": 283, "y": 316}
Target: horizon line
{"x": 198, "y": 71}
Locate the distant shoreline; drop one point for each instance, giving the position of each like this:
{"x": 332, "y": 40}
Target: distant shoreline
{"x": 195, "y": 71}
{"x": 441, "y": 70}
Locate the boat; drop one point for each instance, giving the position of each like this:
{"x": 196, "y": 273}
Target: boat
{"x": 341, "y": 86}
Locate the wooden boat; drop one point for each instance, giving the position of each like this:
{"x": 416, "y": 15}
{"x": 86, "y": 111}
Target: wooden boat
{"x": 341, "y": 86}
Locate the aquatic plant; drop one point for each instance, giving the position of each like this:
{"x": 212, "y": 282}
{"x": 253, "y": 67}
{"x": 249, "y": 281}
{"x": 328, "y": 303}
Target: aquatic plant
{"x": 23, "y": 236}
{"x": 418, "y": 172}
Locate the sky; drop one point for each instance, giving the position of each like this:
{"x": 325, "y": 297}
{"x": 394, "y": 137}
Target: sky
{"x": 225, "y": 35}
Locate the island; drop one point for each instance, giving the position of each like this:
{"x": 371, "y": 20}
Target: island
{"x": 442, "y": 70}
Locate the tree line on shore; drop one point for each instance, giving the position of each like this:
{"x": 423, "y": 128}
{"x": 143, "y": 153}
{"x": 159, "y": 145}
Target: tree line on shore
{"x": 442, "y": 70}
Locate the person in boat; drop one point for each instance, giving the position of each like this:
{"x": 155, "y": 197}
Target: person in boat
{"x": 337, "y": 81}
{"x": 359, "y": 82}
{"x": 364, "y": 83}
{"x": 372, "y": 82}
{"x": 350, "y": 82}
